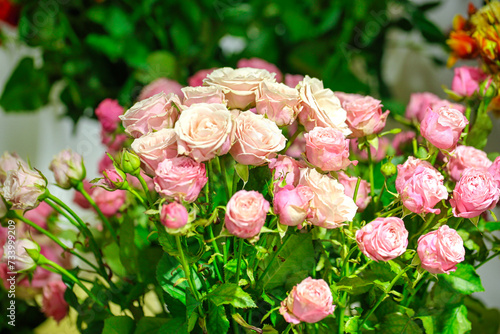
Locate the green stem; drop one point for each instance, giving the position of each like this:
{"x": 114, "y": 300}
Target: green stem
{"x": 370, "y": 166}
{"x": 223, "y": 170}
{"x": 136, "y": 194}
{"x": 217, "y": 251}
{"x": 238, "y": 266}
{"x": 288, "y": 328}
{"x": 420, "y": 284}
{"x": 426, "y": 225}
{"x": 468, "y": 110}
{"x": 291, "y": 141}
{"x": 355, "y": 196}
{"x": 488, "y": 259}
{"x": 390, "y": 212}
{"x": 145, "y": 188}
{"x": 185, "y": 267}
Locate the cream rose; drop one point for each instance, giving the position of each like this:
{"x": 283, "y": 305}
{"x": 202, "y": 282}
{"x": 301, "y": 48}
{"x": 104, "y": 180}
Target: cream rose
{"x": 278, "y": 102}
{"x": 155, "y": 147}
{"x": 206, "y": 94}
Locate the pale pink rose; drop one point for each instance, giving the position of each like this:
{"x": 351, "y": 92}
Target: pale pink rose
{"x": 309, "y": 301}
{"x": 292, "y": 80}
{"x": 180, "y": 178}
{"x": 464, "y": 157}
{"x": 262, "y": 64}
{"x": 68, "y": 168}
{"x": 494, "y": 170}
{"x": 330, "y": 207}
{"x": 402, "y": 141}
{"x": 160, "y": 85}
{"x": 10, "y": 161}
{"x": 109, "y": 202}
{"x": 239, "y": 85}
{"x": 377, "y": 154}
{"x": 406, "y": 171}
{"x": 278, "y": 102}
{"x": 246, "y": 213}
{"x": 114, "y": 142}
{"x": 39, "y": 215}
{"x": 155, "y": 147}
{"x": 205, "y": 131}
{"x": 363, "y": 197}
{"x": 418, "y": 104}
{"x": 442, "y": 127}
{"x": 475, "y": 193}
{"x": 347, "y": 97}
{"x": 108, "y": 113}
{"x": 155, "y": 113}
{"x": 364, "y": 116}
{"x": 23, "y": 188}
{"x": 257, "y": 139}
{"x": 327, "y": 149}
{"x": 285, "y": 169}
{"x": 197, "y": 78}
{"x": 445, "y": 103}
{"x": 467, "y": 80}
{"x": 22, "y": 260}
{"x": 205, "y": 94}
{"x": 53, "y": 303}
{"x": 173, "y": 215}
{"x": 440, "y": 251}
{"x": 383, "y": 239}
{"x": 79, "y": 199}
{"x": 292, "y": 204}
{"x": 320, "y": 107}
{"x": 423, "y": 189}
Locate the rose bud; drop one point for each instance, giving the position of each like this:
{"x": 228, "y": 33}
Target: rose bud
{"x": 494, "y": 170}
{"x": 262, "y": 64}
{"x": 442, "y": 127}
{"x": 160, "y": 85}
{"x": 115, "y": 179}
{"x": 309, "y": 301}
{"x": 475, "y": 193}
{"x": 205, "y": 94}
{"x": 108, "y": 113}
{"x": 9, "y": 162}
{"x": 155, "y": 147}
{"x": 327, "y": 149}
{"x": 464, "y": 157}
{"x": 278, "y": 102}
{"x": 180, "y": 178}
{"x": 53, "y": 303}
{"x": 26, "y": 254}
{"x": 24, "y": 188}
{"x": 364, "y": 116}
{"x": 246, "y": 214}
{"x": 383, "y": 239}
{"x": 292, "y": 204}
{"x": 174, "y": 215}
{"x": 109, "y": 202}
{"x": 130, "y": 162}
{"x": 285, "y": 169}
{"x": 388, "y": 169}
{"x": 68, "y": 169}
{"x": 439, "y": 251}
{"x": 466, "y": 80}
{"x": 363, "y": 197}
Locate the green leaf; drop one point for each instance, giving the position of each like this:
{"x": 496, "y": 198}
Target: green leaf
{"x": 119, "y": 325}
{"x": 352, "y": 325}
{"x": 428, "y": 323}
{"x": 174, "y": 326}
{"x": 217, "y": 321}
{"x": 242, "y": 171}
{"x": 158, "y": 64}
{"x": 464, "y": 280}
{"x": 128, "y": 249}
{"x": 354, "y": 285}
{"x": 397, "y": 323}
{"x": 454, "y": 321}
{"x": 480, "y": 130}
{"x": 149, "y": 325}
{"x": 112, "y": 254}
{"x": 483, "y": 320}
{"x": 106, "y": 44}
{"x": 118, "y": 23}
{"x": 230, "y": 293}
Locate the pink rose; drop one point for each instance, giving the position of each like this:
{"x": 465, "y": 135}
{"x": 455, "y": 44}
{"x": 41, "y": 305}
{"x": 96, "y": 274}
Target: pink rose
{"x": 155, "y": 147}
{"x": 442, "y": 127}
{"x": 180, "y": 178}
{"x": 206, "y": 94}
{"x": 292, "y": 80}
{"x": 347, "y": 97}
{"x": 406, "y": 171}
{"x": 114, "y": 179}
{"x": 68, "y": 168}
{"x": 173, "y": 215}
{"x": 40, "y": 214}
{"x": 467, "y": 80}
{"x": 320, "y": 107}
{"x": 327, "y": 149}
{"x": 10, "y": 161}
{"x": 439, "y": 251}
{"x": 239, "y": 85}
{"x": 363, "y": 197}
{"x": 285, "y": 169}
{"x": 292, "y": 204}
{"x": 419, "y": 102}
{"x": 109, "y": 202}
{"x": 377, "y": 154}
{"x": 383, "y": 239}
{"x": 22, "y": 260}
{"x": 464, "y": 157}
{"x": 53, "y": 303}
{"x": 494, "y": 170}
{"x": 80, "y": 199}
{"x": 309, "y": 301}
{"x": 205, "y": 131}
{"x": 330, "y": 207}
{"x": 278, "y": 102}
{"x": 108, "y": 113}
{"x": 155, "y": 113}
{"x": 160, "y": 85}
{"x": 23, "y": 188}
{"x": 257, "y": 139}
{"x": 475, "y": 193}
{"x": 445, "y": 103}
{"x": 246, "y": 214}
{"x": 197, "y": 79}
{"x": 262, "y": 64}
{"x": 364, "y": 116}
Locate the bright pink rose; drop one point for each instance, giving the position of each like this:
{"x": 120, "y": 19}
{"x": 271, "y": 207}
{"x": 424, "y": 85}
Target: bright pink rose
{"x": 403, "y": 140}
{"x": 155, "y": 147}
{"x": 383, "y": 239}
{"x": 442, "y": 127}
{"x": 40, "y": 214}
{"x": 262, "y": 64}
{"x": 68, "y": 168}
{"x": 23, "y": 188}
{"x": 309, "y": 301}
{"x": 327, "y": 149}
{"x": 292, "y": 204}
{"x": 10, "y": 161}
{"x": 53, "y": 303}
{"x": 440, "y": 251}
{"x": 464, "y": 157}
{"x": 108, "y": 113}
{"x": 363, "y": 197}
{"x": 109, "y": 202}
{"x": 285, "y": 169}
{"x": 80, "y": 199}
{"x": 257, "y": 139}
{"x": 377, "y": 154}
{"x": 278, "y": 102}
{"x": 180, "y": 178}
{"x": 364, "y": 116}
{"x": 419, "y": 102}
{"x": 155, "y": 113}
{"x": 197, "y": 79}
{"x": 205, "y": 94}
{"x": 494, "y": 170}
{"x": 160, "y": 85}
{"x": 173, "y": 215}
{"x": 475, "y": 193}
{"x": 422, "y": 190}
{"x": 292, "y": 80}
{"x": 467, "y": 80}
{"x": 406, "y": 171}
{"x": 246, "y": 213}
